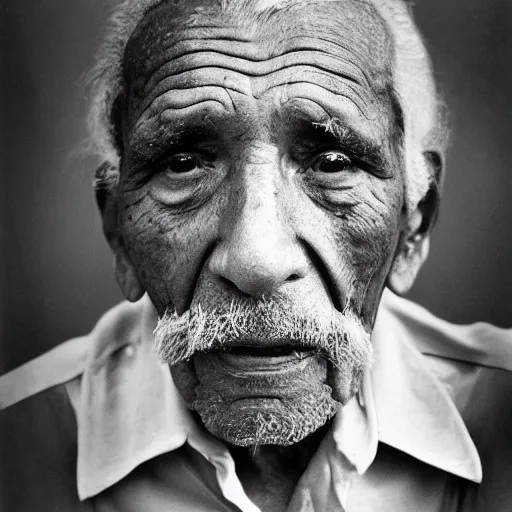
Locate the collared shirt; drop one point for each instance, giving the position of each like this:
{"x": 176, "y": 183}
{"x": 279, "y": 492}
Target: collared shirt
{"x": 429, "y": 430}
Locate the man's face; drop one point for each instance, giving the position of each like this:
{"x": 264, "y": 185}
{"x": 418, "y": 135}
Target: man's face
{"x": 261, "y": 198}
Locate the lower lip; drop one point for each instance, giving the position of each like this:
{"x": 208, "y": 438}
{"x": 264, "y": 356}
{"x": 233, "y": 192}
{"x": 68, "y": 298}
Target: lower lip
{"x": 269, "y": 363}
{"x": 243, "y": 376}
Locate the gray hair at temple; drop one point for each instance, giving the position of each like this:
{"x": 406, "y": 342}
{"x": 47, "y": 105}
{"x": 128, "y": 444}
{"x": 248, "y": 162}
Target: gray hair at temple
{"x": 425, "y": 133}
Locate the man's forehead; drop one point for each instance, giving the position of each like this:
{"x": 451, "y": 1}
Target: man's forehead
{"x": 351, "y": 29}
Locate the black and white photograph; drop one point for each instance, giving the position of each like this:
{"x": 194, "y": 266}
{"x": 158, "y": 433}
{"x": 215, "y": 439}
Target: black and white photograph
{"x": 256, "y": 256}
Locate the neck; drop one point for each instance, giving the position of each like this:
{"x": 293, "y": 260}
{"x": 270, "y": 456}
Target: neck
{"x": 270, "y": 473}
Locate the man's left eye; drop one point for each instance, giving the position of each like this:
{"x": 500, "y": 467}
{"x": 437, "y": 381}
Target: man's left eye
{"x": 182, "y": 163}
{"x": 331, "y": 162}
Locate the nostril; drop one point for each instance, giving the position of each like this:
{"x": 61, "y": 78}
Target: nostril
{"x": 293, "y": 277}
{"x": 230, "y": 285}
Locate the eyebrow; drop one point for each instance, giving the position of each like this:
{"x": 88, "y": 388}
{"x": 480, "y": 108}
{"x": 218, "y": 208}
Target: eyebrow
{"x": 189, "y": 135}
{"x": 153, "y": 146}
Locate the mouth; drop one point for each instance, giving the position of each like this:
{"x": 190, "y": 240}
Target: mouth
{"x": 261, "y": 357}
{"x": 248, "y": 371}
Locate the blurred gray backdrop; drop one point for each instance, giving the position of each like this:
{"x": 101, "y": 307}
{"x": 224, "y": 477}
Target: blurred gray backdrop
{"x": 56, "y": 277}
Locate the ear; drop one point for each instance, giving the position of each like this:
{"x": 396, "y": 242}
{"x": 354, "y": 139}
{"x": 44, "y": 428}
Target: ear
{"x": 106, "y": 199}
{"x": 413, "y": 247}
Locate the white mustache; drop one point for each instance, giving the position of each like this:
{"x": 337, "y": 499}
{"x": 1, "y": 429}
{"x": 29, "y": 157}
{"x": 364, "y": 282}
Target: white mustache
{"x": 341, "y": 338}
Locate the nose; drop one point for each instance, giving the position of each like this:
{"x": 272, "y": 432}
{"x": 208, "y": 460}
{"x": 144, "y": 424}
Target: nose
{"x": 258, "y": 251}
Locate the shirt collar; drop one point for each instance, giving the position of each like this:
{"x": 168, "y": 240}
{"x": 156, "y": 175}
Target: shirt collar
{"x": 123, "y": 386}
{"x": 415, "y": 412}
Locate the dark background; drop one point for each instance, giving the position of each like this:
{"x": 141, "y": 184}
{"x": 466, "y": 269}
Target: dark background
{"x": 56, "y": 277}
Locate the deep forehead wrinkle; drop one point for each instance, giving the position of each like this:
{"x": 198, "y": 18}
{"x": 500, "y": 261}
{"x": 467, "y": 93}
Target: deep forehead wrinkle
{"x": 351, "y": 21}
{"x": 299, "y": 67}
{"x": 350, "y": 31}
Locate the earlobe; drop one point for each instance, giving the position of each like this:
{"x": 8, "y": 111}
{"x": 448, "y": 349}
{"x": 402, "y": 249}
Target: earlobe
{"x": 126, "y": 276}
{"x": 407, "y": 264}
{"x": 415, "y": 244}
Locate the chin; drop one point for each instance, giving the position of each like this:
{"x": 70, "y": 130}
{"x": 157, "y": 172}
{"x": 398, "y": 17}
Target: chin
{"x": 254, "y": 401}
{"x": 265, "y": 421}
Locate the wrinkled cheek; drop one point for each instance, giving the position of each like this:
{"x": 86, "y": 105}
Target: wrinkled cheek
{"x": 168, "y": 252}
{"x": 371, "y": 240}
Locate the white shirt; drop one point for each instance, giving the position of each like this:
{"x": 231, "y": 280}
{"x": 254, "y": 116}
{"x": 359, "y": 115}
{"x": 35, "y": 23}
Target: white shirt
{"x": 403, "y": 434}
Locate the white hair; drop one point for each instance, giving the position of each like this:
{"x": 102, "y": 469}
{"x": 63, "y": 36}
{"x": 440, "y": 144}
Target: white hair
{"x": 424, "y": 124}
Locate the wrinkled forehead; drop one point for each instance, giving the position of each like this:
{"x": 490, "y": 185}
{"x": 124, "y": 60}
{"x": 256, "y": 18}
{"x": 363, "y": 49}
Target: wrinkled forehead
{"x": 351, "y": 31}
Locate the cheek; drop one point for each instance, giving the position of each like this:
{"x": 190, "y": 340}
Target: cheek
{"x": 365, "y": 236}
{"x": 169, "y": 250}
{"x": 371, "y": 233}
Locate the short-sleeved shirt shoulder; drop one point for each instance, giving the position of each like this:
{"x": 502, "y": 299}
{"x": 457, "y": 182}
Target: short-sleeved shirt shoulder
{"x": 61, "y": 364}
{"x": 68, "y": 360}
{"x": 38, "y": 425}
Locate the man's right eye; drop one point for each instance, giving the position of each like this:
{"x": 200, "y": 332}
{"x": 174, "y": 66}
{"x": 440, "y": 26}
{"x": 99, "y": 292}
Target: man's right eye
{"x": 182, "y": 163}
{"x": 332, "y": 162}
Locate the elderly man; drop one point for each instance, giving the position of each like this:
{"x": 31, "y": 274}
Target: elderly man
{"x": 270, "y": 168}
